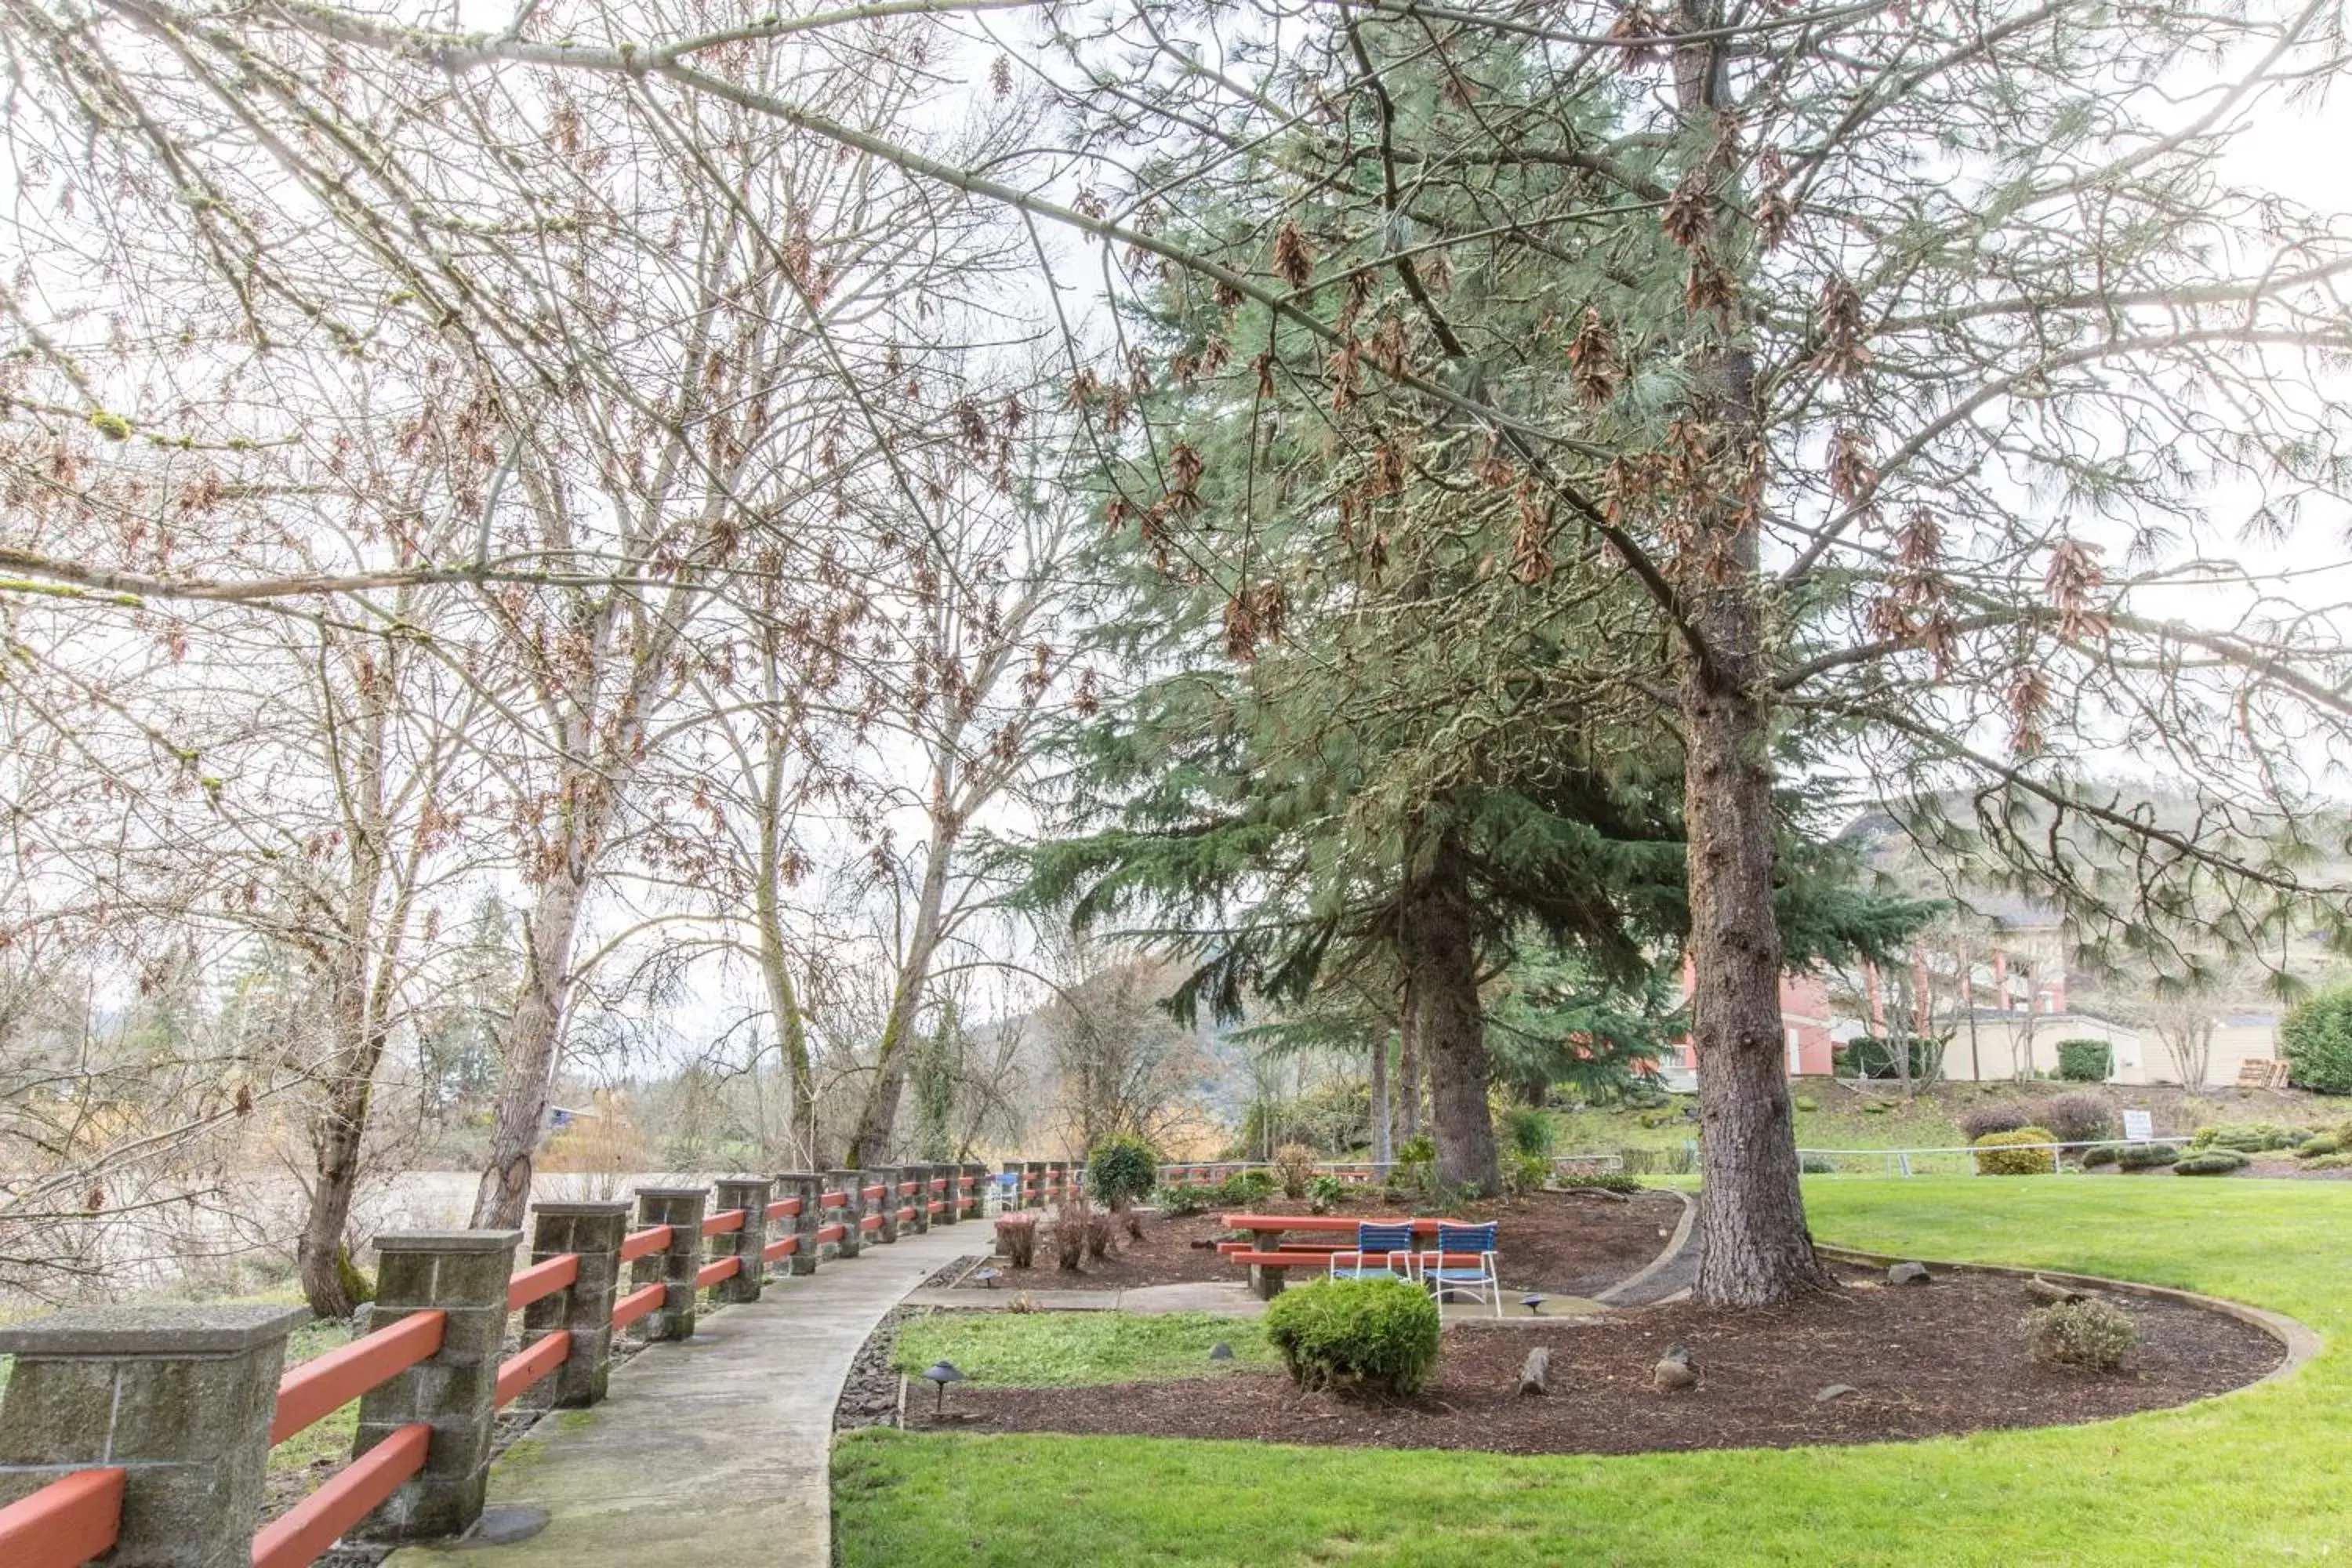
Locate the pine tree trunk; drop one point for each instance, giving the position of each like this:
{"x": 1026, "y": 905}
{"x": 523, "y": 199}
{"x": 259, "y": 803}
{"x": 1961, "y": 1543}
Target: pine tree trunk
{"x": 1383, "y": 1136}
{"x": 1441, "y": 941}
{"x": 1408, "y": 1084}
{"x": 1754, "y": 1248}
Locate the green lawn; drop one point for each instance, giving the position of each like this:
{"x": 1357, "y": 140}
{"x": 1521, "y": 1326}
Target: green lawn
{"x": 1064, "y": 1350}
{"x": 2263, "y": 1477}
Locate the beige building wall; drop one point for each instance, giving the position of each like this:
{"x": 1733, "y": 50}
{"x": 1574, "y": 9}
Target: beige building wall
{"x": 2140, "y": 1054}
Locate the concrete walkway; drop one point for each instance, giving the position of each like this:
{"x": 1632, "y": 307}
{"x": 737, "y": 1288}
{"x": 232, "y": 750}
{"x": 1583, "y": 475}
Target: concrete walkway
{"x": 713, "y": 1451}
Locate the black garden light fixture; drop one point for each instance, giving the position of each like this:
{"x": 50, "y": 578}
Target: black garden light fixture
{"x": 939, "y": 1375}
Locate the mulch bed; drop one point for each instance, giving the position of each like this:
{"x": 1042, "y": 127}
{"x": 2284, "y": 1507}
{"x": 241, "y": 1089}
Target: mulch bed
{"x": 1571, "y": 1244}
{"x": 1926, "y": 1362}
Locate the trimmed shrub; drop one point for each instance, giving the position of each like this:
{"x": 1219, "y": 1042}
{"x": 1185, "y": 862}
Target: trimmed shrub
{"x": 1368, "y": 1336}
{"x": 2148, "y": 1156}
{"x": 2316, "y": 1038}
{"x": 1988, "y": 1118}
{"x": 2087, "y": 1334}
{"x": 2211, "y": 1162}
{"x": 1807, "y": 1102}
{"x": 1244, "y": 1187}
{"x": 1600, "y": 1182}
{"x": 2003, "y": 1158}
{"x": 1294, "y": 1167}
{"x": 1525, "y": 1173}
{"x": 1178, "y": 1199}
{"x": 2252, "y": 1138}
{"x": 2079, "y": 1117}
{"x": 2099, "y": 1155}
{"x": 2331, "y": 1162}
{"x": 1018, "y": 1232}
{"x": 2325, "y": 1143}
{"x": 1530, "y": 1132}
{"x": 1072, "y": 1221}
{"x": 1326, "y": 1193}
{"x": 2085, "y": 1062}
{"x": 1120, "y": 1169}
{"x": 1867, "y": 1056}
{"x": 1816, "y": 1165}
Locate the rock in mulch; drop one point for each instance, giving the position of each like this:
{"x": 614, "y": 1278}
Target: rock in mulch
{"x": 1941, "y": 1361}
{"x": 870, "y": 1395}
{"x": 1535, "y": 1373}
{"x": 1835, "y": 1391}
{"x": 1908, "y": 1274}
{"x": 946, "y": 1276}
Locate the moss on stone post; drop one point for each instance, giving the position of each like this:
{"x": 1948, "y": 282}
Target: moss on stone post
{"x": 594, "y": 1233}
{"x": 462, "y": 1275}
{"x": 682, "y": 1209}
{"x": 749, "y": 1193}
{"x": 180, "y": 1397}
{"x": 851, "y": 1184}
{"x": 806, "y": 1186}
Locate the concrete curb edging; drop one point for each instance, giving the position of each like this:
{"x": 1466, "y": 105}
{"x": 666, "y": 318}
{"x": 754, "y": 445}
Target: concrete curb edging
{"x": 2301, "y": 1341}
{"x": 1673, "y": 1250}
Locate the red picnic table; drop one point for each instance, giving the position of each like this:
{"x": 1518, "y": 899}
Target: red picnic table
{"x": 1269, "y": 1259}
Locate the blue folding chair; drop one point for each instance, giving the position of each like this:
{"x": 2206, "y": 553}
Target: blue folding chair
{"x": 1444, "y": 1272}
{"x": 1382, "y": 1252}
{"x": 1004, "y": 1192}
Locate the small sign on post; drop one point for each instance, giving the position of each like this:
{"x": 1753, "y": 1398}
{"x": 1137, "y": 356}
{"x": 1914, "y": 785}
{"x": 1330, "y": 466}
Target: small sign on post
{"x": 2139, "y": 1127}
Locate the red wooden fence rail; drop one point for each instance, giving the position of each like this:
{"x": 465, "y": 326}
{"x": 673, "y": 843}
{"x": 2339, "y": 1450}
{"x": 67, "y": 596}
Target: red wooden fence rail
{"x": 78, "y": 1517}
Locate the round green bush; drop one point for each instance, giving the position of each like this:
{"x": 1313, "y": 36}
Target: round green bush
{"x": 2312, "y": 1147}
{"x": 2085, "y": 1062}
{"x": 2211, "y": 1162}
{"x": 2316, "y": 1038}
{"x": 2148, "y": 1156}
{"x": 2331, "y": 1162}
{"x": 2103, "y": 1154}
{"x": 2002, "y": 1157}
{"x": 1368, "y": 1336}
{"x": 1120, "y": 1169}
{"x": 2091, "y": 1334}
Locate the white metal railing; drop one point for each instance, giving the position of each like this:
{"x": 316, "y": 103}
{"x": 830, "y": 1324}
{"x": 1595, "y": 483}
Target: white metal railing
{"x": 1898, "y": 1161}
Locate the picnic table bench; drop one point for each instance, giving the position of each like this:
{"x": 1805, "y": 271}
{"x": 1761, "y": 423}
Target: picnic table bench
{"x": 1268, "y": 1258}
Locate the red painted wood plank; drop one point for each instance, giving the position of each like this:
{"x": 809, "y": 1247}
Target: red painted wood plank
{"x": 543, "y": 1280}
{"x": 835, "y": 1200}
{"x": 638, "y": 1303}
{"x": 710, "y": 1274}
{"x": 296, "y": 1539}
{"x": 784, "y": 1247}
{"x": 519, "y": 1371}
{"x": 871, "y": 1222}
{"x": 324, "y": 1384}
{"x": 66, "y": 1523}
{"x": 825, "y": 1233}
{"x": 722, "y": 1222}
{"x": 644, "y": 1243}
{"x": 785, "y": 1208}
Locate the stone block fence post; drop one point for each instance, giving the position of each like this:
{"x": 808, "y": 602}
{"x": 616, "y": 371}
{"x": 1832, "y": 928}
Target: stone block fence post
{"x": 749, "y": 1193}
{"x": 920, "y": 1176}
{"x": 462, "y": 1273}
{"x": 889, "y": 1175}
{"x": 180, "y": 1397}
{"x": 804, "y": 1186}
{"x": 593, "y": 1231}
{"x": 1033, "y": 1179}
{"x": 951, "y": 1192}
{"x": 975, "y": 1190}
{"x": 682, "y": 1209}
{"x": 851, "y": 1186}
